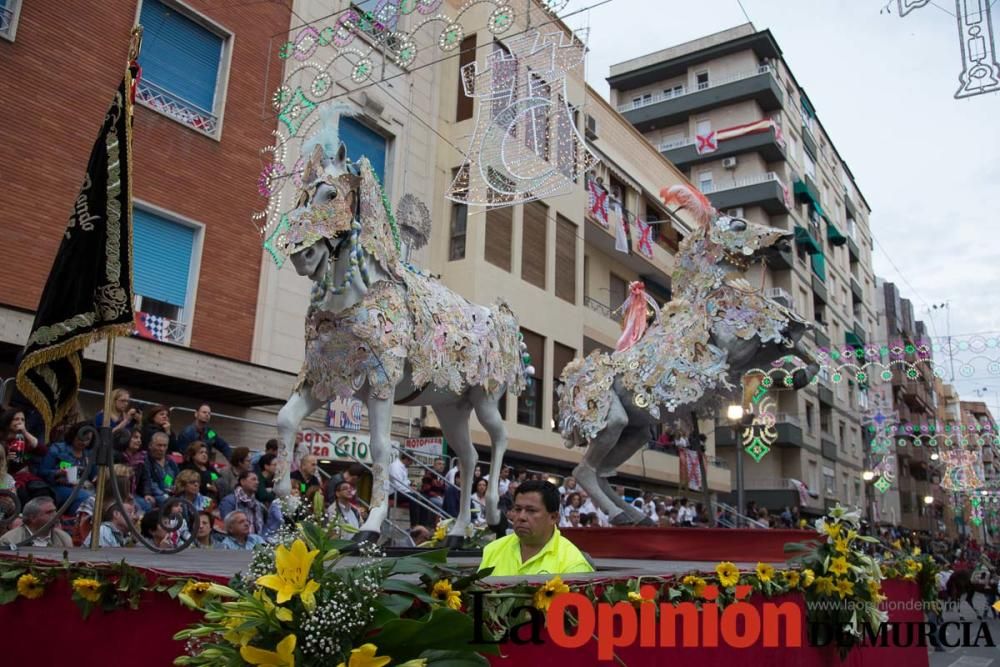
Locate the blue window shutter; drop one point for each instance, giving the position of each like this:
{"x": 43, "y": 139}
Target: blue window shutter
{"x": 179, "y": 55}
{"x": 363, "y": 142}
{"x": 161, "y": 254}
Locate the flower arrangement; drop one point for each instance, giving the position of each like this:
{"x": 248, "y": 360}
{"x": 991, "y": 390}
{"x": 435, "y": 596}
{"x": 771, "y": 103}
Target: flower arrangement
{"x": 318, "y": 600}
{"x": 476, "y": 537}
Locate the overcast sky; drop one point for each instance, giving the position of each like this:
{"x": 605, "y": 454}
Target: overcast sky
{"x": 883, "y": 88}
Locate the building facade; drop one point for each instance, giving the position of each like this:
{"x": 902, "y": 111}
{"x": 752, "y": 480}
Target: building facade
{"x": 727, "y": 110}
{"x": 197, "y": 134}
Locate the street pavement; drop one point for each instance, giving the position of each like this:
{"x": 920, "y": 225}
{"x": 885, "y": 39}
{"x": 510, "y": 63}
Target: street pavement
{"x": 980, "y": 656}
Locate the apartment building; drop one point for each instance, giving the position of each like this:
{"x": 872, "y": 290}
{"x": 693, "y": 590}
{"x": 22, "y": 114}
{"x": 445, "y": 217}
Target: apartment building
{"x": 727, "y": 110}
{"x": 553, "y": 260}
{"x": 984, "y": 503}
{"x": 197, "y": 134}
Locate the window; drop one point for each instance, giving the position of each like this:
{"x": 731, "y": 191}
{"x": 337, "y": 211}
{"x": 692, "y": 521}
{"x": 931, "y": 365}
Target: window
{"x": 9, "y": 10}
{"x": 617, "y": 288}
{"x": 362, "y": 141}
{"x": 829, "y": 482}
{"x": 840, "y": 433}
{"x": 466, "y": 56}
{"x": 810, "y": 418}
{"x": 810, "y": 166}
{"x": 529, "y": 403}
{"x": 163, "y": 256}
{"x": 637, "y": 101}
{"x": 533, "y": 246}
{"x": 674, "y": 91}
{"x": 703, "y": 128}
{"x": 184, "y": 67}
{"x": 561, "y": 355}
{"x": 456, "y": 243}
{"x": 565, "y": 259}
{"x": 701, "y": 80}
{"x": 499, "y": 225}
{"x": 705, "y": 181}
{"x": 813, "y": 476}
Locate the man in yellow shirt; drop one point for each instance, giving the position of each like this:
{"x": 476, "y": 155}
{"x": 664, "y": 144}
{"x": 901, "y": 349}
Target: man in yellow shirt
{"x": 536, "y": 547}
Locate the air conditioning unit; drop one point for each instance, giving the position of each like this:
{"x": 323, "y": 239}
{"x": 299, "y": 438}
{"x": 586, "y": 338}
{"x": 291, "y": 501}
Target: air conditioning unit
{"x": 779, "y": 295}
{"x": 734, "y": 212}
{"x": 729, "y": 163}
{"x": 591, "y": 129}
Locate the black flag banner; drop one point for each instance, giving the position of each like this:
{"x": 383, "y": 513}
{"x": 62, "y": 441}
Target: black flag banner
{"x": 88, "y": 295}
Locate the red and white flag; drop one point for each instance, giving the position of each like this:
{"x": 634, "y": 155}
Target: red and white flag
{"x": 597, "y": 202}
{"x": 690, "y": 468}
{"x": 707, "y": 143}
{"x": 645, "y": 244}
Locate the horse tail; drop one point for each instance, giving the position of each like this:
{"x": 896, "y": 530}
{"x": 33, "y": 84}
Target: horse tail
{"x": 685, "y": 196}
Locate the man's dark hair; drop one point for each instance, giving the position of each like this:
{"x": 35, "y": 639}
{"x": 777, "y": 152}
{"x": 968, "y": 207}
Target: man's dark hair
{"x": 203, "y": 404}
{"x": 266, "y": 460}
{"x": 243, "y": 475}
{"x": 149, "y": 522}
{"x": 341, "y": 483}
{"x": 356, "y": 470}
{"x": 547, "y": 490}
{"x": 271, "y": 444}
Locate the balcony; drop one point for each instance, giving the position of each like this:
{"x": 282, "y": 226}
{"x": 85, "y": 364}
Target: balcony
{"x": 765, "y": 190}
{"x": 859, "y": 331}
{"x": 825, "y": 395}
{"x": 176, "y": 107}
{"x": 828, "y": 448}
{"x": 852, "y": 211}
{"x": 819, "y": 289}
{"x": 819, "y": 333}
{"x": 664, "y": 109}
{"x": 161, "y": 329}
{"x": 857, "y": 294}
{"x": 809, "y": 141}
{"x": 917, "y": 395}
{"x": 789, "y": 432}
{"x": 807, "y": 192}
{"x": 601, "y": 308}
{"x": 852, "y": 248}
{"x": 684, "y": 154}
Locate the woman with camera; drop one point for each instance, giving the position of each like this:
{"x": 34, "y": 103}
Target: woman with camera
{"x": 122, "y": 415}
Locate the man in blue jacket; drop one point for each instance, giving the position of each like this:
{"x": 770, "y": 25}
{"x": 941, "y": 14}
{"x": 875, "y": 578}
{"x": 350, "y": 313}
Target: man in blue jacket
{"x": 200, "y": 430}
{"x": 161, "y": 471}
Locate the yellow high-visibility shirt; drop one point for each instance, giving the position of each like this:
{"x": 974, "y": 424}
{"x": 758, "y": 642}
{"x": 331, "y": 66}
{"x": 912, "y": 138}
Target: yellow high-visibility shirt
{"x": 558, "y": 556}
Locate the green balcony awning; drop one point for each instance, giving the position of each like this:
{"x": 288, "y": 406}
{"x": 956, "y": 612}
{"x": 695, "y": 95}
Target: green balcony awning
{"x": 833, "y": 234}
{"x": 819, "y": 265}
{"x": 806, "y": 190}
{"x": 853, "y": 340}
{"x": 804, "y": 238}
{"x": 807, "y": 105}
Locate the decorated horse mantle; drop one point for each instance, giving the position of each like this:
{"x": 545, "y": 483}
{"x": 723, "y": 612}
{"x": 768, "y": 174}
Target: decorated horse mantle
{"x": 449, "y": 342}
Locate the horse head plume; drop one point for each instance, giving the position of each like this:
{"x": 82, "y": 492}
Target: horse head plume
{"x": 685, "y": 196}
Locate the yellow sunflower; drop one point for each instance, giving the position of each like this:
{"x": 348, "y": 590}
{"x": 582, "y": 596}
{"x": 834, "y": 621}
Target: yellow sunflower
{"x": 637, "y": 599}
{"x": 839, "y": 566}
{"x": 729, "y": 574}
{"x": 697, "y": 583}
{"x": 30, "y": 586}
{"x": 765, "y": 572}
{"x": 845, "y": 587}
{"x": 544, "y": 595}
{"x": 88, "y": 589}
{"x": 791, "y": 578}
{"x": 442, "y": 593}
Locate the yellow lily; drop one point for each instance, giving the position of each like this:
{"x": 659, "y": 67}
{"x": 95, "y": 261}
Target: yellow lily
{"x": 284, "y": 656}
{"x": 840, "y": 545}
{"x": 844, "y": 587}
{"x": 364, "y": 656}
{"x": 808, "y": 576}
{"x": 281, "y": 613}
{"x": 839, "y": 566}
{"x": 292, "y": 577}
{"x": 825, "y": 586}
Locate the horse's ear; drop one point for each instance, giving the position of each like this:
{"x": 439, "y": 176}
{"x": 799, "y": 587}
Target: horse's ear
{"x": 314, "y": 167}
{"x": 341, "y": 154}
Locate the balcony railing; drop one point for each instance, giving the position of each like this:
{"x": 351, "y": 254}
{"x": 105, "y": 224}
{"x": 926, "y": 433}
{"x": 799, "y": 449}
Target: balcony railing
{"x": 162, "y": 329}
{"x": 601, "y": 308}
{"x": 6, "y": 21}
{"x": 670, "y": 95}
{"x": 769, "y": 483}
{"x": 743, "y": 182}
{"x": 176, "y": 107}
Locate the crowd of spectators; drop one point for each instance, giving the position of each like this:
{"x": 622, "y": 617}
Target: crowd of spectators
{"x": 230, "y": 491}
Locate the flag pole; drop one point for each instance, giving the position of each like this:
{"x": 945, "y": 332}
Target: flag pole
{"x": 104, "y": 462}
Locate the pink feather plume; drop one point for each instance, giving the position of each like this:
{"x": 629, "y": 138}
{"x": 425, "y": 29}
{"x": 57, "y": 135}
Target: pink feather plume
{"x": 688, "y": 197}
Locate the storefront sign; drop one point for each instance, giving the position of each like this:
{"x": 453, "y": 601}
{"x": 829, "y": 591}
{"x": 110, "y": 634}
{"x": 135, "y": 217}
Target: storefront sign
{"x": 338, "y": 445}
{"x": 426, "y": 446}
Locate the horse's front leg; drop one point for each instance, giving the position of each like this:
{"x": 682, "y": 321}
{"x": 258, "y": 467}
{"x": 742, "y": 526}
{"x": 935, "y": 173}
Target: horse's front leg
{"x": 380, "y": 426}
{"x": 300, "y": 405}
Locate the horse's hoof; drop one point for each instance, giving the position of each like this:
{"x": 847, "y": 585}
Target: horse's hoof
{"x": 500, "y": 529}
{"x": 454, "y": 542}
{"x": 363, "y": 536}
{"x": 621, "y": 519}
{"x": 645, "y": 521}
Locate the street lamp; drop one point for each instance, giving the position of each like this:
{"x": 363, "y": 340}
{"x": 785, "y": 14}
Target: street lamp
{"x": 735, "y": 415}
{"x": 868, "y": 475}
{"x": 928, "y": 500}
{"x": 935, "y": 456}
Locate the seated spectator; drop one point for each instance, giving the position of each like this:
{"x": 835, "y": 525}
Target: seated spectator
{"x": 238, "y": 536}
{"x": 432, "y": 486}
{"x": 196, "y": 459}
{"x": 452, "y": 500}
{"x": 306, "y": 477}
{"x": 204, "y": 538}
{"x": 151, "y": 528}
{"x": 573, "y": 502}
{"x": 239, "y": 462}
{"x": 200, "y": 431}
{"x": 161, "y": 471}
{"x": 685, "y": 514}
{"x": 268, "y": 471}
{"x": 479, "y": 503}
{"x": 342, "y": 510}
{"x": 19, "y": 444}
{"x": 123, "y": 416}
{"x": 6, "y": 481}
{"x": 114, "y": 527}
{"x": 536, "y": 546}
{"x": 270, "y": 447}
{"x": 263, "y": 520}
{"x": 187, "y": 486}
{"x": 568, "y": 487}
{"x": 128, "y": 448}
{"x": 157, "y": 420}
{"x": 571, "y": 520}
{"x": 353, "y": 475}
{"x": 36, "y": 513}
{"x": 65, "y": 465}
{"x": 402, "y": 487}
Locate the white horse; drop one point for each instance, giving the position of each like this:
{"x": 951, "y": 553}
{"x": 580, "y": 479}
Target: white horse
{"x": 387, "y": 334}
{"x": 691, "y": 356}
